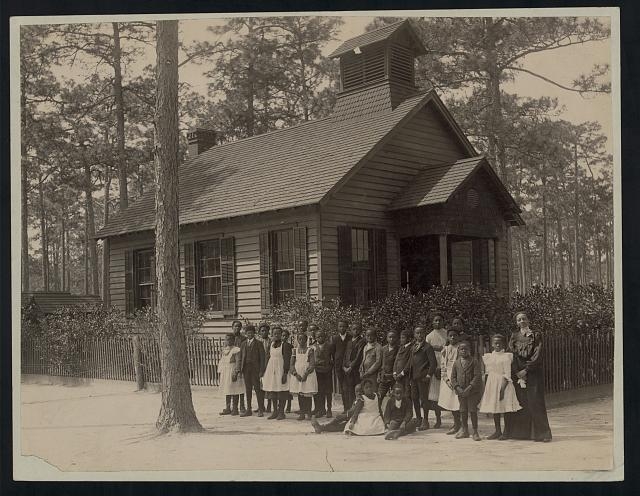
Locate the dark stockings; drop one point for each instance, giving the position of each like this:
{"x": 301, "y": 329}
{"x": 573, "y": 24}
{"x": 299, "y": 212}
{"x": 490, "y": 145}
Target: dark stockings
{"x": 465, "y": 420}
{"x": 496, "y": 422}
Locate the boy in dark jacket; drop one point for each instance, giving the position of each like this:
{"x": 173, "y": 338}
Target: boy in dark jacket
{"x": 402, "y": 363}
{"x": 351, "y": 364}
{"x": 466, "y": 379}
{"x": 252, "y": 363}
{"x": 385, "y": 376}
{"x": 423, "y": 366}
{"x": 398, "y": 414}
{"x": 339, "y": 344}
{"x": 324, "y": 365}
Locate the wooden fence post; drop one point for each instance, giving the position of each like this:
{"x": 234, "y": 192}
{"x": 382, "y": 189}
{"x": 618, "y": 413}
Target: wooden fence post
{"x": 137, "y": 364}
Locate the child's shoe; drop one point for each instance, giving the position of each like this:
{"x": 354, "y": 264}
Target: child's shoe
{"x": 316, "y": 426}
{"x": 329, "y": 414}
{"x": 424, "y": 425}
{"x": 454, "y": 429}
{"x": 503, "y": 437}
{"x": 438, "y": 424}
{"x": 226, "y": 411}
{"x": 281, "y": 416}
{"x": 301, "y": 416}
{"x": 274, "y": 415}
{"x": 475, "y": 436}
{"x": 392, "y": 435}
{"x": 464, "y": 433}
{"x": 235, "y": 412}
{"x": 495, "y": 435}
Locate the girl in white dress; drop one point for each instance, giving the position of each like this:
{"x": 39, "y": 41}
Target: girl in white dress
{"x": 499, "y": 393}
{"x": 367, "y": 417}
{"x": 437, "y": 338}
{"x": 275, "y": 380}
{"x": 448, "y": 399}
{"x": 231, "y": 381}
{"x": 303, "y": 381}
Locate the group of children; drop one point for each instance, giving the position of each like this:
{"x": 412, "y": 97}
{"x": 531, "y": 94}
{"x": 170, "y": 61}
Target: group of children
{"x": 421, "y": 371}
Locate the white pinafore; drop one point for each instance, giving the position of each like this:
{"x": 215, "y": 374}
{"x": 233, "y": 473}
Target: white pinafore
{"x": 438, "y": 340}
{"x": 228, "y": 362}
{"x": 308, "y": 387}
{"x": 272, "y": 378}
{"x": 497, "y": 367}
{"x": 369, "y": 422}
{"x": 448, "y": 399}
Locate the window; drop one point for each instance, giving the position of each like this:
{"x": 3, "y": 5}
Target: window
{"x": 209, "y": 275}
{"x": 145, "y": 269}
{"x": 362, "y": 264}
{"x": 283, "y": 266}
{"x": 362, "y": 287}
{"x": 140, "y": 279}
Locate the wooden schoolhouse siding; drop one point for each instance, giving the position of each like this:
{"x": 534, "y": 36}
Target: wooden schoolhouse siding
{"x": 247, "y": 267}
{"x": 362, "y": 201}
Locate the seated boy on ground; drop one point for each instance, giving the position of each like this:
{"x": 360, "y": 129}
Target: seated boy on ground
{"x": 340, "y": 421}
{"x": 398, "y": 414}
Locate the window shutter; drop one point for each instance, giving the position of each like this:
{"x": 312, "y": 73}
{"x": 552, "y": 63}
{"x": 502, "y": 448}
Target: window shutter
{"x": 227, "y": 267}
{"x": 345, "y": 265}
{"x": 154, "y": 288}
{"x": 266, "y": 286}
{"x": 301, "y": 286}
{"x": 380, "y": 260}
{"x": 190, "y": 275}
{"x": 129, "y": 283}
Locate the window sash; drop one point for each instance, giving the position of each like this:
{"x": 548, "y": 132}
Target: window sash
{"x": 144, "y": 270}
{"x": 209, "y": 275}
{"x": 283, "y": 258}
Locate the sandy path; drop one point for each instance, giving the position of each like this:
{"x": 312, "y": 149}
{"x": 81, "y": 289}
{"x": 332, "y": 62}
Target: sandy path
{"x": 110, "y": 427}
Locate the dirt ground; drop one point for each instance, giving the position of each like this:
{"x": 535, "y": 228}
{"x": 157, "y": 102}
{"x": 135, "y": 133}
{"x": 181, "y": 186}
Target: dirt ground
{"x": 110, "y": 427}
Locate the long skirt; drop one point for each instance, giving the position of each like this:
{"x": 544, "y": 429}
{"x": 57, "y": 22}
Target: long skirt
{"x": 531, "y": 421}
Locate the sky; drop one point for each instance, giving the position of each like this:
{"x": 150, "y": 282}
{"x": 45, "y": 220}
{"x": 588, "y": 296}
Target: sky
{"x": 562, "y": 65}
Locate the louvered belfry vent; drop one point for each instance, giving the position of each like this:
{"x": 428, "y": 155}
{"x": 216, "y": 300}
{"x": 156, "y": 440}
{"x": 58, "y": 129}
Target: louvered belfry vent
{"x": 380, "y": 61}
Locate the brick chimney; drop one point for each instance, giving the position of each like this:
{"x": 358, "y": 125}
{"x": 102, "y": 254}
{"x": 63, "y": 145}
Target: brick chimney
{"x": 200, "y": 140}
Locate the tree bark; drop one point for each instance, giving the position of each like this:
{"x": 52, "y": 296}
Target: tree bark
{"x": 251, "y": 77}
{"x": 26, "y": 283}
{"x": 576, "y": 222}
{"x": 107, "y": 193}
{"x": 43, "y": 237}
{"x": 545, "y": 253}
{"x": 63, "y": 247}
{"x": 119, "y": 101}
{"x": 85, "y": 250}
{"x": 91, "y": 230}
{"x": 176, "y": 412}
{"x": 560, "y": 250}
{"x": 495, "y": 149}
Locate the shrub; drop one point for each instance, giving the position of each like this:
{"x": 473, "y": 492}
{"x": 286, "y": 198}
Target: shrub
{"x": 145, "y": 321}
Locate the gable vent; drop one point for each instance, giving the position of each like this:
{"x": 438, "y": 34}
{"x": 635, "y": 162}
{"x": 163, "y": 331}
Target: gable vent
{"x": 366, "y": 67}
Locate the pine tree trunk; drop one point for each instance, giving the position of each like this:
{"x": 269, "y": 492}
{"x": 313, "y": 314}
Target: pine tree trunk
{"x": 119, "y": 101}
{"x": 26, "y": 283}
{"x": 56, "y": 264}
{"x": 176, "y": 412}
{"x": 545, "y": 254}
{"x": 85, "y": 246}
{"x": 107, "y": 193}
{"x": 91, "y": 230}
{"x": 576, "y": 222}
{"x": 43, "y": 237}
{"x": 495, "y": 149}
{"x": 63, "y": 247}
{"x": 523, "y": 268}
{"x": 560, "y": 250}
{"x": 251, "y": 77}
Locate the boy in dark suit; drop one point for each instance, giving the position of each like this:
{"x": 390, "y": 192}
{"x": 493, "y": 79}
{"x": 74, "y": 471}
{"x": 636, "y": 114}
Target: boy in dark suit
{"x": 385, "y": 375}
{"x": 339, "y": 344}
{"x": 402, "y": 363}
{"x": 339, "y": 423}
{"x": 423, "y": 366}
{"x": 371, "y": 358}
{"x": 351, "y": 364}
{"x": 324, "y": 365}
{"x": 466, "y": 379}
{"x": 398, "y": 414}
{"x": 252, "y": 363}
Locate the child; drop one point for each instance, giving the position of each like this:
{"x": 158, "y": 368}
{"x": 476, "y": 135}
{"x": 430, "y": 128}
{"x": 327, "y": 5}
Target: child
{"x": 238, "y": 337}
{"x": 339, "y": 344}
{"x": 285, "y": 338}
{"x": 466, "y": 379}
{"x": 437, "y": 338}
{"x": 231, "y": 382}
{"x": 499, "y": 393}
{"x": 340, "y": 422}
{"x": 367, "y": 417}
{"x": 351, "y": 364}
{"x": 398, "y": 414}
{"x": 324, "y": 365}
{"x": 303, "y": 380}
{"x": 385, "y": 375}
{"x": 371, "y": 358}
{"x": 402, "y": 363}
{"x": 423, "y": 366}
{"x": 275, "y": 380}
{"x": 265, "y": 338}
{"x": 448, "y": 400}
{"x": 458, "y": 324}
{"x": 252, "y": 363}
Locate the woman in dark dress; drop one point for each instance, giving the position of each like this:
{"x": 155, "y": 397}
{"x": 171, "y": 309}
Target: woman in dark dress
{"x": 531, "y": 422}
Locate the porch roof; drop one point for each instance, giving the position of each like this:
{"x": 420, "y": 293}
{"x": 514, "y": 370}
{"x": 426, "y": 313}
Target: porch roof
{"x": 436, "y": 184}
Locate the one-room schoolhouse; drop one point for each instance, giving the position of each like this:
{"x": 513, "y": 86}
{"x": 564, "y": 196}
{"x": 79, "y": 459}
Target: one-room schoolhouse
{"x": 385, "y": 193}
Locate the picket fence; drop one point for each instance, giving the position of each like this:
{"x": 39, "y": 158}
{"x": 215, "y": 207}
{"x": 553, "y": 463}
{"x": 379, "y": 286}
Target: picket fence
{"x": 570, "y": 361}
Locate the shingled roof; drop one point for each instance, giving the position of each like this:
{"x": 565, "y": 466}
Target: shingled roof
{"x": 378, "y": 35}
{"x": 282, "y": 169}
{"x": 50, "y": 301}
{"x": 436, "y": 184}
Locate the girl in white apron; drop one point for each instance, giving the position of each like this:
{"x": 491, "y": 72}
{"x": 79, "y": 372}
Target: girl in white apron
{"x": 303, "y": 381}
{"x": 367, "y": 417}
{"x": 275, "y": 381}
{"x": 231, "y": 381}
{"x": 448, "y": 399}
